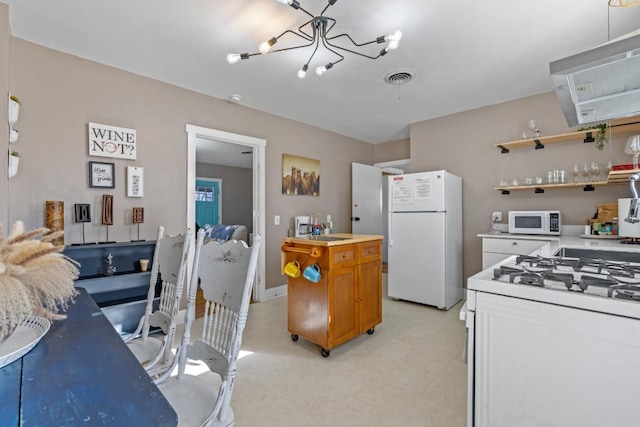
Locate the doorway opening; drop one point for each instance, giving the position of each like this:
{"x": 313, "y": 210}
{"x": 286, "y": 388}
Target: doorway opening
{"x": 257, "y": 146}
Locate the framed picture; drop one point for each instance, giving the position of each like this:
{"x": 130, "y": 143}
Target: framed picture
{"x": 135, "y": 181}
{"x": 300, "y": 176}
{"x": 101, "y": 175}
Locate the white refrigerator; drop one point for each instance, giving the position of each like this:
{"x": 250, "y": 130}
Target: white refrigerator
{"x": 425, "y": 238}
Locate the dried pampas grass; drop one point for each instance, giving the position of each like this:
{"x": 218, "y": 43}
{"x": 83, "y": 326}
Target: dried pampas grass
{"x": 35, "y": 277}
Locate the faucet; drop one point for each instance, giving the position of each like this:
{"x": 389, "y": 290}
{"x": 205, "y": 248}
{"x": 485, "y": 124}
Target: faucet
{"x": 634, "y": 205}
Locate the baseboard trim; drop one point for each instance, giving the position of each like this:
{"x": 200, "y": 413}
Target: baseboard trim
{"x": 275, "y": 292}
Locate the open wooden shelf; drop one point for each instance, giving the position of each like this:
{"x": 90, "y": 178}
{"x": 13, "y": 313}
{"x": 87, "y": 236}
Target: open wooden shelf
{"x": 621, "y": 177}
{"x": 616, "y": 127}
{"x": 615, "y": 177}
{"x": 539, "y": 188}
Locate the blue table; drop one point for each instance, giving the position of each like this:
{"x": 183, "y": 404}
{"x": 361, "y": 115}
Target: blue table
{"x": 81, "y": 374}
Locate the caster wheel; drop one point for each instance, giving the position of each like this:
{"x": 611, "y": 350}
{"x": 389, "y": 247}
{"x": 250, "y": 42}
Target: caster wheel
{"x": 294, "y": 337}
{"x": 325, "y": 353}
{"x": 371, "y": 331}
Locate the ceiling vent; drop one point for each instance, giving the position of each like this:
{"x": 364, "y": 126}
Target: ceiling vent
{"x": 399, "y": 77}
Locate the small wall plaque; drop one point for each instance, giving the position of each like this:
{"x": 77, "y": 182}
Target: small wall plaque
{"x": 138, "y": 215}
{"x": 82, "y": 212}
{"x": 135, "y": 181}
{"x": 107, "y": 209}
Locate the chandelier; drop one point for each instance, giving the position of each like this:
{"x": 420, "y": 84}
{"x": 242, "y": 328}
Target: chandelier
{"x": 315, "y": 32}
{"x": 624, "y": 3}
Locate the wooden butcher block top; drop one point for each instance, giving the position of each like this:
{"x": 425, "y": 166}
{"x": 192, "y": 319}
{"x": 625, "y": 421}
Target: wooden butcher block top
{"x": 333, "y": 239}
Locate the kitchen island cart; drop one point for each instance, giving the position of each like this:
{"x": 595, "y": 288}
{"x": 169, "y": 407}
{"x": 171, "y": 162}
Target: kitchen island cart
{"x": 347, "y": 300}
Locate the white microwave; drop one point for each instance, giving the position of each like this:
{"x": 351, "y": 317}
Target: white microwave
{"x": 534, "y": 222}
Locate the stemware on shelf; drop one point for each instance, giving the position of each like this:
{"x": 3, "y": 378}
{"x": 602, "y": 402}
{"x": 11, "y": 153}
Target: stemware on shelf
{"x": 586, "y": 172}
{"x": 595, "y": 170}
{"x": 633, "y": 147}
{"x": 575, "y": 172}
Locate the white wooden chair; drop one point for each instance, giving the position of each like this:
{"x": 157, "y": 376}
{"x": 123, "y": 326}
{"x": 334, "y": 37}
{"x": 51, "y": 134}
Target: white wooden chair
{"x": 170, "y": 259}
{"x": 227, "y": 272}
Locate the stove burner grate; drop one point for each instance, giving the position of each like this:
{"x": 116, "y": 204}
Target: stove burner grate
{"x": 628, "y": 294}
{"x": 527, "y": 278}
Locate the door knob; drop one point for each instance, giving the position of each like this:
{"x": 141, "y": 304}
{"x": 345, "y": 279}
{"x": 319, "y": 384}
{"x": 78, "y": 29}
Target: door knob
{"x": 355, "y": 218}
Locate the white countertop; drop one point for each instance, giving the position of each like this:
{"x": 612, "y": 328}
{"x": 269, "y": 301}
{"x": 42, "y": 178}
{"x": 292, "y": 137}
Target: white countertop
{"x": 570, "y": 240}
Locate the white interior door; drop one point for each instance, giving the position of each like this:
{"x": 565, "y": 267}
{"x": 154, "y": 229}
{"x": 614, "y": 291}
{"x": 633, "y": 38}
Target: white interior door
{"x": 366, "y": 199}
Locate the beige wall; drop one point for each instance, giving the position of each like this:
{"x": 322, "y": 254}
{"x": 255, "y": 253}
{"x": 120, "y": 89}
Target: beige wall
{"x": 392, "y": 150}
{"x": 5, "y": 45}
{"x": 237, "y": 192}
{"x": 62, "y": 93}
{"x": 463, "y": 144}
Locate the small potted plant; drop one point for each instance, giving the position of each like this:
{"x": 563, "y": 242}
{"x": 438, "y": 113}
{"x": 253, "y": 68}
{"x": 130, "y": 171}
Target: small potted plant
{"x": 600, "y": 136}
{"x": 14, "y": 162}
{"x": 14, "y": 109}
{"x": 13, "y": 135}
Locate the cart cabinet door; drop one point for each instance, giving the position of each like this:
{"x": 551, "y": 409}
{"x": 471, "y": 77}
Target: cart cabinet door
{"x": 540, "y": 364}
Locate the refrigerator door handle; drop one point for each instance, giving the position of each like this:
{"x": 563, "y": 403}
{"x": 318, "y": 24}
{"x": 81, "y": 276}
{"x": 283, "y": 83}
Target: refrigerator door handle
{"x": 390, "y": 231}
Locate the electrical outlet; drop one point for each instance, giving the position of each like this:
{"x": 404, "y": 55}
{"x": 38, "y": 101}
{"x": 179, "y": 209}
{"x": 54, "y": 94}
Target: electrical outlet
{"x": 276, "y": 220}
{"x": 496, "y": 217}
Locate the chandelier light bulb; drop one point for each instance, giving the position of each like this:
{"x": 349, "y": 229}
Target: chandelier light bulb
{"x": 232, "y": 58}
{"x": 394, "y": 36}
{"x": 293, "y": 3}
{"x": 321, "y": 69}
{"x": 302, "y": 72}
{"x": 393, "y": 45}
{"x": 265, "y": 47}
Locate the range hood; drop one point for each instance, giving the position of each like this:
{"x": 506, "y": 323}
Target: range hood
{"x": 600, "y": 84}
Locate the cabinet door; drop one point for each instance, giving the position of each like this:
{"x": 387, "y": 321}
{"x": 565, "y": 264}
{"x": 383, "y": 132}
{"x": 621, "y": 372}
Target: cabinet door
{"x": 542, "y": 364}
{"x": 343, "y": 322}
{"x": 370, "y": 295}
{"x": 307, "y": 309}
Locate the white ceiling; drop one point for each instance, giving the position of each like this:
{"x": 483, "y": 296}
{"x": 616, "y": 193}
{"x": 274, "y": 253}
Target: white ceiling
{"x": 224, "y": 153}
{"x": 465, "y": 54}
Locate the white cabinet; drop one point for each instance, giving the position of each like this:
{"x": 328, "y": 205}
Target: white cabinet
{"x": 495, "y": 250}
{"x": 542, "y": 364}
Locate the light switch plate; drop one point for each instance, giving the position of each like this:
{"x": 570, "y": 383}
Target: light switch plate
{"x": 276, "y": 220}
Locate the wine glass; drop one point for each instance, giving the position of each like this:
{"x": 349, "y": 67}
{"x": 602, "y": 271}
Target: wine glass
{"x": 532, "y": 126}
{"x": 586, "y": 172}
{"x": 595, "y": 170}
{"x": 575, "y": 172}
{"x": 633, "y": 147}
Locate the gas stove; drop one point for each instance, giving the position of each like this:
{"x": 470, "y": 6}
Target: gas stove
{"x": 602, "y": 285}
{"x": 610, "y": 279}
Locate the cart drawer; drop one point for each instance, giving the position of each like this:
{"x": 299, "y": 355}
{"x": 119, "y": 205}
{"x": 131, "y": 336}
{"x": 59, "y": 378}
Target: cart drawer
{"x": 370, "y": 251}
{"x": 342, "y": 256}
